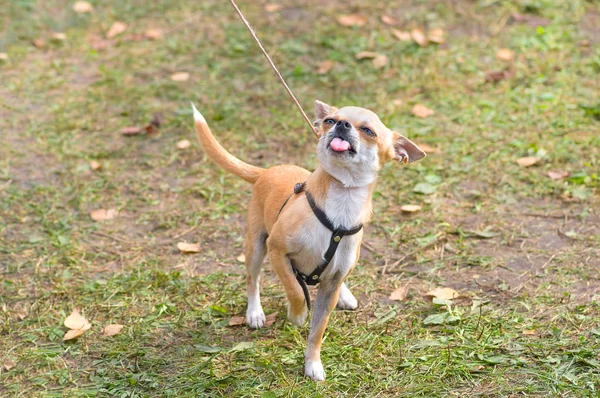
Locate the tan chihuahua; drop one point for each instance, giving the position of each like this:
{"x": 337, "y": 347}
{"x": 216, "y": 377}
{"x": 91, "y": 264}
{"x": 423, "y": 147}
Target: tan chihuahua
{"x": 311, "y": 223}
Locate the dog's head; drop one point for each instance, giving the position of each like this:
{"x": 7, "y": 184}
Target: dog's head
{"x": 354, "y": 144}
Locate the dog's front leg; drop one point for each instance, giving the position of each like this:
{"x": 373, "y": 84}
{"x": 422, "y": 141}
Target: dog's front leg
{"x": 327, "y": 298}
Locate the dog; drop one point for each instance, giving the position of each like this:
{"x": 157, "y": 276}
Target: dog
{"x": 310, "y": 224}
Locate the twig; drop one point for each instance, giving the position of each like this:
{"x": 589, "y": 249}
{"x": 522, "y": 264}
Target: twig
{"x": 289, "y": 91}
{"x": 412, "y": 253}
{"x": 187, "y": 231}
{"x": 5, "y": 185}
{"x": 111, "y": 237}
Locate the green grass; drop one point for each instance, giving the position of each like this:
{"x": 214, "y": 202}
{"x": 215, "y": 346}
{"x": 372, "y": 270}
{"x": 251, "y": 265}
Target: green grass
{"x": 522, "y": 249}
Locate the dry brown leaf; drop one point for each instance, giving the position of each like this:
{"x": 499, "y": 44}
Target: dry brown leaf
{"x": 528, "y": 161}
{"x": 39, "y": 43}
{"x": 419, "y": 37}
{"x": 420, "y": 110}
{"x": 153, "y": 34}
{"x": 410, "y": 208}
{"x": 183, "y": 144}
{"x": 8, "y": 364}
{"x": 365, "y": 54}
{"x": 270, "y": 319}
{"x": 73, "y": 334}
{"x": 95, "y": 165}
{"x": 237, "y": 321}
{"x": 505, "y": 54}
{"x": 103, "y": 214}
{"x": 389, "y": 20}
{"x": 444, "y": 293}
{"x": 58, "y": 36}
{"x": 241, "y": 258}
{"x": 437, "y": 35}
{"x": 273, "y": 7}
{"x": 428, "y": 149}
{"x": 399, "y": 294}
{"x": 558, "y": 175}
{"x": 77, "y": 321}
{"x": 529, "y": 332}
{"x": 131, "y": 130}
{"x": 180, "y": 77}
{"x": 116, "y": 29}
{"x": 112, "y": 329}
{"x": 352, "y": 20}
{"x": 401, "y": 35}
{"x": 98, "y": 43}
{"x": 398, "y": 102}
{"x": 380, "y": 61}
{"x": 3, "y": 57}
{"x": 188, "y": 247}
{"x": 496, "y": 76}
{"x": 325, "y": 66}
{"x": 81, "y": 7}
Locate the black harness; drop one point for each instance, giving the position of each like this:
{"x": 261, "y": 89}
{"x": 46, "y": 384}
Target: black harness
{"x": 336, "y": 237}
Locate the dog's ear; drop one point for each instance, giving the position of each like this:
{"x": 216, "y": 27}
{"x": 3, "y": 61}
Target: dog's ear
{"x": 322, "y": 110}
{"x": 406, "y": 151}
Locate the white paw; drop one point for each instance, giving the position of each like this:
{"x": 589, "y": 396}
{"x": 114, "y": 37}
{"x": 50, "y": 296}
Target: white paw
{"x": 346, "y": 300}
{"x": 255, "y": 318}
{"x": 298, "y": 319}
{"x": 314, "y": 370}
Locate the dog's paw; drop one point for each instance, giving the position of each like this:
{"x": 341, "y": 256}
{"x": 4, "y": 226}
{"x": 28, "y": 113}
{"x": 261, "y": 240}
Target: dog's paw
{"x": 314, "y": 370}
{"x": 255, "y": 319}
{"x": 298, "y": 319}
{"x": 346, "y": 300}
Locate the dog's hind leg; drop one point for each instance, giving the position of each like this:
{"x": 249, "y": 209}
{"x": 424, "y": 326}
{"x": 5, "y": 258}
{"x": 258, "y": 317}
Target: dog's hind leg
{"x": 255, "y": 251}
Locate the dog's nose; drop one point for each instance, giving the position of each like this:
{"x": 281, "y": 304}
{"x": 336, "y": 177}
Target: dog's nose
{"x": 344, "y": 125}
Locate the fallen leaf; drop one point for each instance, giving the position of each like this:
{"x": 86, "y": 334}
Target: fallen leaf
{"x": 82, "y": 7}
{"x": 116, "y": 29}
{"x": 241, "y": 258}
{"x": 273, "y": 7}
{"x": 180, "y": 77}
{"x": 558, "y": 175}
{"x": 365, "y": 54}
{"x": 388, "y": 20}
{"x": 98, "y": 43}
{"x": 73, "y": 334}
{"x": 95, "y": 165}
{"x": 131, "y": 130}
{"x": 398, "y": 102}
{"x": 8, "y": 364}
{"x": 77, "y": 321}
{"x": 444, "y": 293}
{"x": 183, "y": 144}
{"x": 352, "y": 20}
{"x": 112, "y": 329}
{"x": 58, "y": 36}
{"x": 420, "y": 110}
{"x": 440, "y": 319}
{"x": 419, "y": 37}
{"x": 3, "y": 57}
{"x": 325, "y": 66}
{"x": 103, "y": 214}
{"x": 39, "y": 43}
{"x": 424, "y": 188}
{"x": 399, "y": 294}
{"x": 437, "y": 35}
{"x": 270, "y": 319}
{"x": 505, "y": 54}
{"x": 153, "y": 34}
{"x": 495, "y": 77}
{"x": 401, "y": 35}
{"x": 484, "y": 234}
{"x": 237, "y": 321}
{"x": 188, "y": 247}
{"x": 380, "y": 61}
{"x": 528, "y": 161}
{"x": 529, "y": 332}
{"x": 410, "y": 208}
{"x": 429, "y": 149}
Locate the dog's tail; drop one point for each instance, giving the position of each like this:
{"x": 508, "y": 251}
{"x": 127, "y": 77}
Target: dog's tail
{"x": 219, "y": 155}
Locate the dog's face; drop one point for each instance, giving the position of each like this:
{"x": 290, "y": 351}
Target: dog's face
{"x": 354, "y": 144}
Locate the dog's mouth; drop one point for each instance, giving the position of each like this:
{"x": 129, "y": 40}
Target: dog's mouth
{"x": 340, "y": 145}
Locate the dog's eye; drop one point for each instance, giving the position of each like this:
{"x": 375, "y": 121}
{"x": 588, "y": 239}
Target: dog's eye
{"x": 329, "y": 121}
{"x": 367, "y": 130}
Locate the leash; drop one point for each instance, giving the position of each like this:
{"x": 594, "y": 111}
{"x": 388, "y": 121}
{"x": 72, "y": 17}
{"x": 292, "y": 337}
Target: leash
{"x": 289, "y": 91}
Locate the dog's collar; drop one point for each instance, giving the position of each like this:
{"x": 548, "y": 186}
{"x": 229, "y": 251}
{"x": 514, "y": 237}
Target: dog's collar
{"x": 336, "y": 237}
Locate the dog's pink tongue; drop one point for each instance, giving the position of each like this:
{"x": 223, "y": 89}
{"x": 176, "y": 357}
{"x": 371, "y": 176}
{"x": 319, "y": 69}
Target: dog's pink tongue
{"x": 339, "y": 145}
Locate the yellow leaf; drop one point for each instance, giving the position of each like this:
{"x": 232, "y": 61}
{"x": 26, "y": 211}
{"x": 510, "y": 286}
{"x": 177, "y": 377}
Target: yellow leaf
{"x": 237, "y": 321}
{"x": 528, "y": 161}
{"x": 352, "y": 20}
{"x": 103, "y": 214}
{"x": 273, "y": 7}
{"x": 116, "y": 29}
{"x": 399, "y": 294}
{"x": 419, "y": 37}
{"x": 241, "y": 258}
{"x": 153, "y": 34}
{"x": 58, "y": 36}
{"x": 189, "y": 247}
{"x": 81, "y": 7}
{"x": 398, "y": 102}
{"x": 437, "y": 36}
{"x": 444, "y": 293}
{"x": 505, "y": 54}
{"x": 365, "y": 54}
{"x": 8, "y": 364}
{"x": 112, "y": 329}
{"x": 401, "y": 35}
{"x": 420, "y": 110}
{"x": 183, "y": 144}
{"x": 73, "y": 334}
{"x": 389, "y": 20}
{"x": 180, "y": 77}
{"x": 3, "y": 57}
{"x": 529, "y": 332}
{"x": 410, "y": 208}
{"x": 380, "y": 61}
{"x": 325, "y": 67}
{"x": 95, "y": 165}
{"x": 77, "y": 321}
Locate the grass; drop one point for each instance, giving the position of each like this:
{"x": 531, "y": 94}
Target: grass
{"x": 521, "y": 248}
